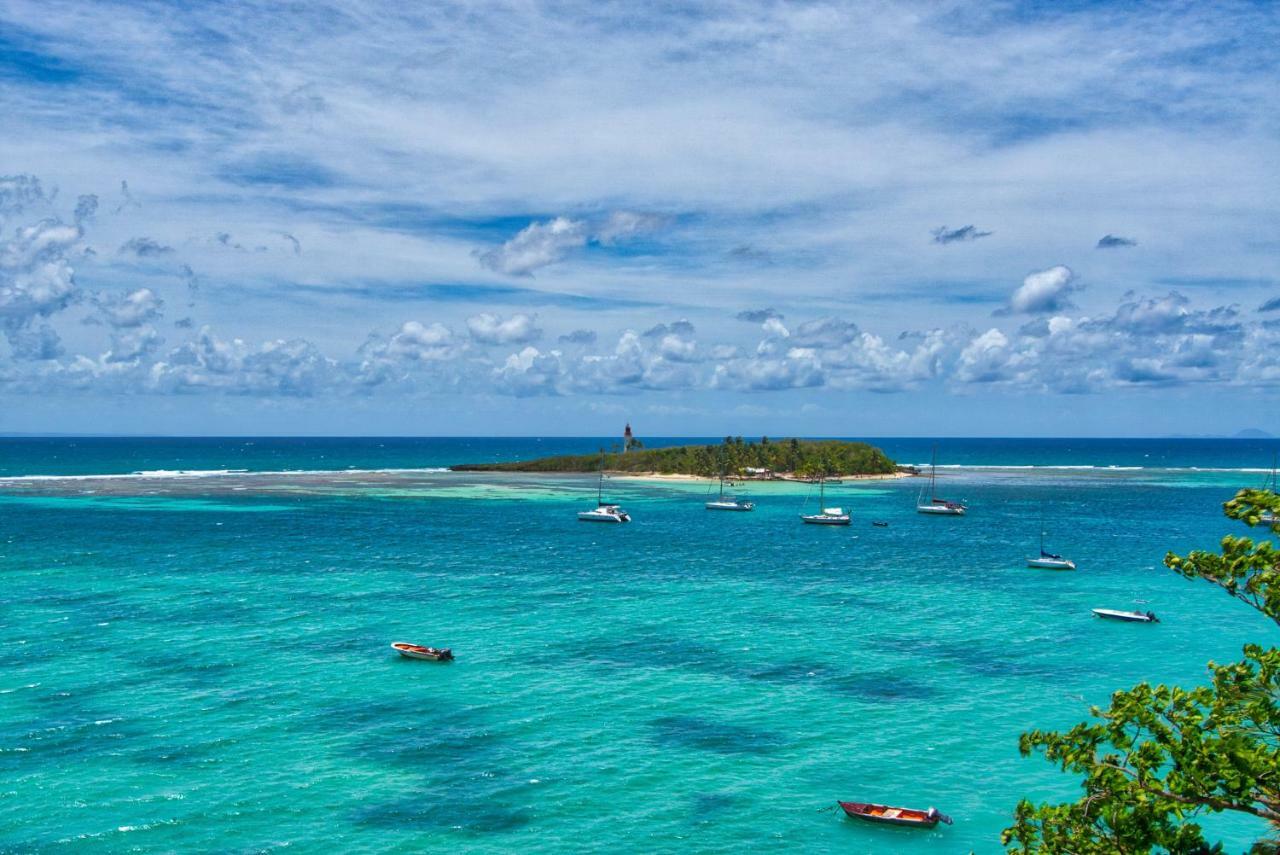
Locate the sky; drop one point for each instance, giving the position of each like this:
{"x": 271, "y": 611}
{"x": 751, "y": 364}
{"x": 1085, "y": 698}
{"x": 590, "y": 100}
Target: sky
{"x": 837, "y": 219}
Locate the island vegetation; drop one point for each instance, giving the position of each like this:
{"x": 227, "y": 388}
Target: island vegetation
{"x": 735, "y": 457}
{"x": 1159, "y": 757}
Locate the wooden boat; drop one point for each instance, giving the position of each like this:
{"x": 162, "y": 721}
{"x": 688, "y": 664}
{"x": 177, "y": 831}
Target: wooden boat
{"x": 894, "y": 815}
{"x": 1128, "y": 617}
{"x": 417, "y": 651}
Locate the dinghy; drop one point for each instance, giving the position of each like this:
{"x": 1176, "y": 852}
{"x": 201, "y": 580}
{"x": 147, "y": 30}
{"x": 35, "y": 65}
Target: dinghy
{"x": 1129, "y": 617}
{"x": 894, "y": 815}
{"x": 417, "y": 651}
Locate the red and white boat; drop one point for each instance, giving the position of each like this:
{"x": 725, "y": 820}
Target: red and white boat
{"x": 894, "y": 815}
{"x": 417, "y": 651}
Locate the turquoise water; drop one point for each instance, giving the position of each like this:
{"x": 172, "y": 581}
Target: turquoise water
{"x": 203, "y": 663}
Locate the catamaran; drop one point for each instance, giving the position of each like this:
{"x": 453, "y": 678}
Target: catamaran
{"x": 729, "y": 503}
{"x": 1048, "y": 560}
{"x": 935, "y": 505}
{"x": 604, "y": 511}
{"x": 826, "y": 516}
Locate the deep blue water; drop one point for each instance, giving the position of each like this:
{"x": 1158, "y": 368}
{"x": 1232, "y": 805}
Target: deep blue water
{"x": 196, "y": 664}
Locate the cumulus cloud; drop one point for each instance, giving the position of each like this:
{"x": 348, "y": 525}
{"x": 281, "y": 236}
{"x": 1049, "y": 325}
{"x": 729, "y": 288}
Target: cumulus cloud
{"x": 535, "y": 246}
{"x": 488, "y": 328}
{"x": 35, "y": 344}
{"x": 129, "y": 309}
{"x": 36, "y": 278}
{"x": 1114, "y": 242}
{"x": 144, "y": 247}
{"x": 944, "y": 235}
{"x": 1044, "y": 291}
{"x": 292, "y": 368}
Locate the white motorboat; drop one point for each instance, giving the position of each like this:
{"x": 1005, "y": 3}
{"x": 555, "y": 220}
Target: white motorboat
{"x": 826, "y": 516}
{"x": 604, "y": 511}
{"x": 729, "y": 503}
{"x": 1128, "y": 617}
{"x": 935, "y": 505}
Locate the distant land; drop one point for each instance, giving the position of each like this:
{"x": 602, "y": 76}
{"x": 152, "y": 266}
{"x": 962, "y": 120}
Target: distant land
{"x": 733, "y": 457}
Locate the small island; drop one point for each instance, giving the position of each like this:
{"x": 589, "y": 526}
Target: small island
{"x": 764, "y": 460}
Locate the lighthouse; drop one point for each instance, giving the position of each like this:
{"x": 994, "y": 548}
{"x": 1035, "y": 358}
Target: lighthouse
{"x": 627, "y": 439}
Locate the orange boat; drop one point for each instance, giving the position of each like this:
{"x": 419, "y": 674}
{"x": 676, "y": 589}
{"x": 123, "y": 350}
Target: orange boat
{"x": 894, "y": 815}
{"x": 417, "y": 651}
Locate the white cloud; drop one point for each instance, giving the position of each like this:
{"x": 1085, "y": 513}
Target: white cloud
{"x": 535, "y": 246}
{"x": 130, "y": 309}
{"x": 487, "y": 328}
{"x": 1044, "y": 291}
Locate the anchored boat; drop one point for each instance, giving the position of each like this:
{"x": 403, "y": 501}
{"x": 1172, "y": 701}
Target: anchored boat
{"x": 604, "y": 511}
{"x": 894, "y": 815}
{"x": 1128, "y": 617}
{"x": 937, "y": 506}
{"x": 418, "y": 651}
{"x": 826, "y": 516}
{"x": 729, "y": 503}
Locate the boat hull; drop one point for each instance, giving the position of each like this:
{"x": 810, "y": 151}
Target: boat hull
{"x": 730, "y": 506}
{"x": 1126, "y": 617}
{"x": 588, "y": 516}
{"x": 1051, "y": 564}
{"x": 940, "y": 511}
{"x": 417, "y": 651}
{"x": 890, "y": 815}
{"x": 822, "y": 519}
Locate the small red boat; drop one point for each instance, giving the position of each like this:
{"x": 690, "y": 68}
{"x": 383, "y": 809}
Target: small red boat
{"x": 895, "y": 815}
{"x": 417, "y": 651}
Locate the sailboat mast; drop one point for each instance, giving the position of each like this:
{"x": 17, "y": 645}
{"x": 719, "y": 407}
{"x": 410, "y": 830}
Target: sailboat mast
{"x": 600, "y": 483}
{"x": 933, "y": 476}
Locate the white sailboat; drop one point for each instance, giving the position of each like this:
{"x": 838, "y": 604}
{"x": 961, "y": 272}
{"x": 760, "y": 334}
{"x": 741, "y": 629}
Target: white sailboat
{"x": 826, "y": 516}
{"x": 1269, "y": 517}
{"x": 729, "y": 503}
{"x": 1048, "y": 560}
{"x": 935, "y": 505}
{"x": 604, "y": 511}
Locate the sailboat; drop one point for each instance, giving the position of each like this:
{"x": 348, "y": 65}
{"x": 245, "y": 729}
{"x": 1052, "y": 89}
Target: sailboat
{"x": 1048, "y": 560}
{"x": 1269, "y": 517}
{"x": 604, "y": 511}
{"x": 729, "y": 503}
{"x": 936, "y": 506}
{"x": 826, "y": 516}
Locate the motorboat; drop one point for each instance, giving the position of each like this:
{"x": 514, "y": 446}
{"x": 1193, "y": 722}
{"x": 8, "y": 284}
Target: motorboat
{"x": 418, "y": 651}
{"x": 895, "y": 815}
{"x": 1127, "y": 617}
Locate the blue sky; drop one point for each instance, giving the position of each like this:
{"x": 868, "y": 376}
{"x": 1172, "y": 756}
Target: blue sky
{"x": 811, "y": 218}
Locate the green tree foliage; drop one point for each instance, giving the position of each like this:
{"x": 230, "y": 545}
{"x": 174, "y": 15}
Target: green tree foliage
{"x": 1159, "y": 757}
{"x": 730, "y": 458}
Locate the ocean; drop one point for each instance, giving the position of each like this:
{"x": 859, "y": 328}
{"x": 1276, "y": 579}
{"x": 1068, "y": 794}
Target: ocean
{"x": 194, "y": 653}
